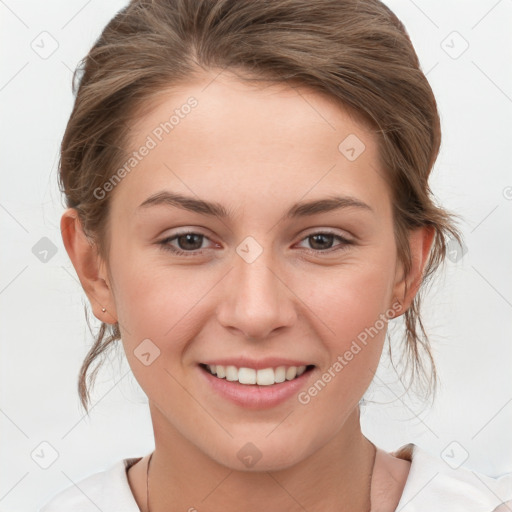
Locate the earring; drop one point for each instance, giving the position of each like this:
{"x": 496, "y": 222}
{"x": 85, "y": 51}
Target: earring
{"x": 103, "y": 310}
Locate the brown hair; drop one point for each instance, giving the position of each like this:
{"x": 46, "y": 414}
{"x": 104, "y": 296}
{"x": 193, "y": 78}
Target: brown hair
{"x": 355, "y": 51}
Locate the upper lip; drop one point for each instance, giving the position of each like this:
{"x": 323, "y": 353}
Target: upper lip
{"x": 257, "y": 364}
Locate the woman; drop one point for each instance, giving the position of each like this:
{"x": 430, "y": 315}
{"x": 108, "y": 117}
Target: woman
{"x": 248, "y": 208}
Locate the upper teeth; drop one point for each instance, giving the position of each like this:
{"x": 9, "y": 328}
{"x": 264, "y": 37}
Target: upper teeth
{"x": 263, "y": 377}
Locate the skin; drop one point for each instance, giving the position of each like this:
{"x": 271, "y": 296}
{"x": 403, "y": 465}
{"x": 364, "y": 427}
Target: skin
{"x": 256, "y": 151}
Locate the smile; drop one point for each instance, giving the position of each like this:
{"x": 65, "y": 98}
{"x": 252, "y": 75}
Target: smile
{"x": 260, "y": 377}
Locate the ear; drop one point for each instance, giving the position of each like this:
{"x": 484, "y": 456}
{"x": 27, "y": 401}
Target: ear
{"x": 89, "y": 266}
{"x": 420, "y": 242}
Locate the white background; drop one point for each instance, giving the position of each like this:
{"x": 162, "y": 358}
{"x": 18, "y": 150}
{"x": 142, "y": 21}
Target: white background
{"x": 44, "y": 336}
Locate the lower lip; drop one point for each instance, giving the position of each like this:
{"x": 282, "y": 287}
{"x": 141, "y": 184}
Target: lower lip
{"x": 253, "y": 396}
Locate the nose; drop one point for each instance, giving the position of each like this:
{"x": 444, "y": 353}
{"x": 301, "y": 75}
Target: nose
{"x": 256, "y": 299}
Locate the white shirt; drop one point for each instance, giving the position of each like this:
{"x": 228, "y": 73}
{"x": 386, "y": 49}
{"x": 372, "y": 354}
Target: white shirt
{"x": 432, "y": 486}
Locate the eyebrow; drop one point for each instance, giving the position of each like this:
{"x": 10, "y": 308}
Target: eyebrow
{"x": 214, "y": 209}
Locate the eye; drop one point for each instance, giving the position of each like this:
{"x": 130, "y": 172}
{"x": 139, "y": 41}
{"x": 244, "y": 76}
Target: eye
{"x": 190, "y": 243}
{"x": 187, "y": 240}
{"x": 321, "y": 242}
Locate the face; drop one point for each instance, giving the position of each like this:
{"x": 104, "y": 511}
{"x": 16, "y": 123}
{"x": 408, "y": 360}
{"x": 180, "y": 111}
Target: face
{"x": 256, "y": 282}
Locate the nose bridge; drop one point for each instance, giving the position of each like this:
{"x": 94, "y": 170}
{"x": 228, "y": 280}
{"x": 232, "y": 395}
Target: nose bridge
{"x": 257, "y": 281}
{"x": 256, "y": 301}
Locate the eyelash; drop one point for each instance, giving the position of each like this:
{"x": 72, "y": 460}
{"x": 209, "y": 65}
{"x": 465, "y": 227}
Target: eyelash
{"x": 164, "y": 244}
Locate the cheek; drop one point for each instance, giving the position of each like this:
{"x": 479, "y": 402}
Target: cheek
{"x": 160, "y": 312}
{"x": 160, "y": 302}
{"x": 143, "y": 288}
{"x": 349, "y": 298}
{"x": 349, "y": 309}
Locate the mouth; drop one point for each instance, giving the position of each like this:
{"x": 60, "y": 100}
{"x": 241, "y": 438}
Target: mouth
{"x": 256, "y": 377}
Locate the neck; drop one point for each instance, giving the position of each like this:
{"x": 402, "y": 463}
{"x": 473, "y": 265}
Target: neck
{"x": 336, "y": 477}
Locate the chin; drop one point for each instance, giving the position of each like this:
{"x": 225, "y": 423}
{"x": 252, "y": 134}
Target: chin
{"x": 260, "y": 455}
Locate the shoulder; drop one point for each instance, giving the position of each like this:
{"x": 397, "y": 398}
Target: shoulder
{"x": 432, "y": 482}
{"x": 108, "y": 491}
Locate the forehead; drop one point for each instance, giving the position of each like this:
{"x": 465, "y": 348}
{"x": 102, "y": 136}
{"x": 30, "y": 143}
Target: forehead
{"x": 235, "y": 142}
